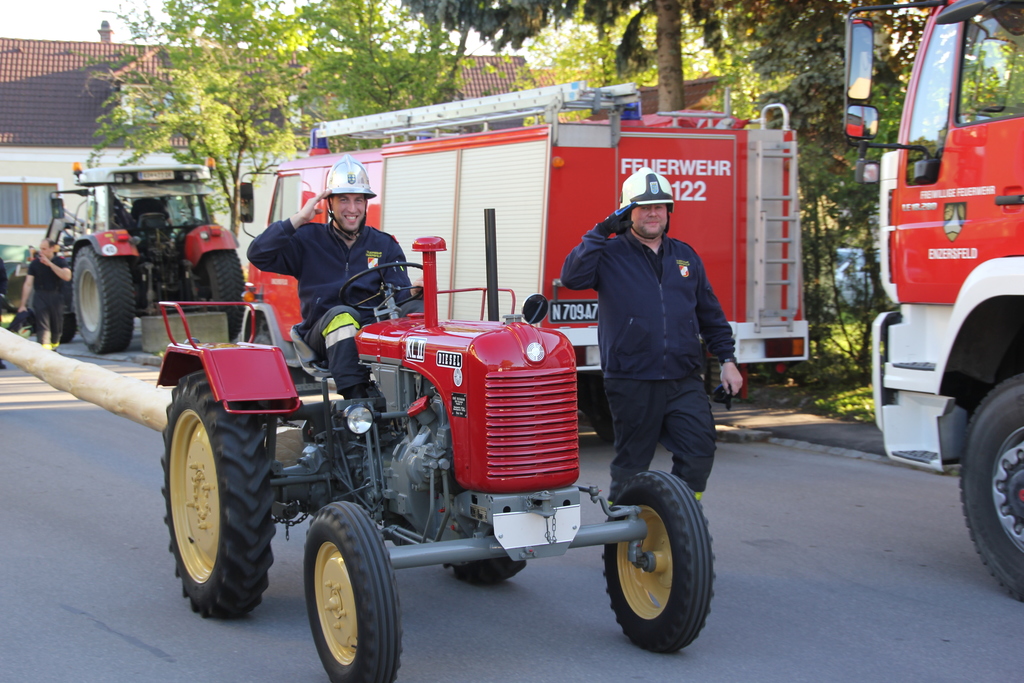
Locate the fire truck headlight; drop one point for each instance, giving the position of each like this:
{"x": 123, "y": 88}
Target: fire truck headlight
{"x": 358, "y": 418}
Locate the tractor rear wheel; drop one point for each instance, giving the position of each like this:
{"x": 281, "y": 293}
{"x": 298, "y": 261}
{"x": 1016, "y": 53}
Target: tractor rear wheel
{"x": 218, "y": 497}
{"x": 486, "y": 572}
{"x": 992, "y": 483}
{"x": 352, "y": 596}
{"x": 219, "y": 278}
{"x": 663, "y": 608}
{"x": 104, "y": 299}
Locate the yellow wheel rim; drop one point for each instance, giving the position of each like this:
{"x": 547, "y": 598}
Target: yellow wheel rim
{"x": 647, "y": 592}
{"x": 195, "y": 502}
{"x": 336, "y": 604}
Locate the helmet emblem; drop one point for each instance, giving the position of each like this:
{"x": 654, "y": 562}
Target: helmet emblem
{"x": 655, "y": 187}
{"x": 351, "y": 178}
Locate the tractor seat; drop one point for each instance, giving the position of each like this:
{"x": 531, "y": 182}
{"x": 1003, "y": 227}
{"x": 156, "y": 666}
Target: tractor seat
{"x": 152, "y": 221}
{"x": 311, "y": 363}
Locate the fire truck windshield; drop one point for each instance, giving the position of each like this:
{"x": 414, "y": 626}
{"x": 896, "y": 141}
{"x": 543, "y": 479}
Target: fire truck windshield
{"x": 993, "y": 67}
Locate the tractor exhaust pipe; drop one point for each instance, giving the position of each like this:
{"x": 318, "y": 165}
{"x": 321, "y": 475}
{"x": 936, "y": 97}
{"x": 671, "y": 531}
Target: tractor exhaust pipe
{"x": 491, "y": 250}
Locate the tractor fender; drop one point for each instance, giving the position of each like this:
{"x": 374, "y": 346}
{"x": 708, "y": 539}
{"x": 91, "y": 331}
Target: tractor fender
{"x": 246, "y": 378}
{"x": 109, "y": 243}
{"x": 207, "y": 238}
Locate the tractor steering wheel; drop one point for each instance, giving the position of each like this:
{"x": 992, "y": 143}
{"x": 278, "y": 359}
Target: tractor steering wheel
{"x": 388, "y": 290}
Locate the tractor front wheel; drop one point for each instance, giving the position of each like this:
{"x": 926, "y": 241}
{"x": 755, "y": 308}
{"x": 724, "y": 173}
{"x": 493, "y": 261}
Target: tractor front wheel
{"x": 662, "y": 604}
{"x": 352, "y": 596}
{"x": 992, "y": 483}
{"x": 104, "y": 299}
{"x": 218, "y": 497}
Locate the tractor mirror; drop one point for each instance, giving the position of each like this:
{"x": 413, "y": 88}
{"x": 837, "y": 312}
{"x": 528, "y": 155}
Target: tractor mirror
{"x": 535, "y": 308}
{"x": 57, "y": 208}
{"x": 246, "y": 209}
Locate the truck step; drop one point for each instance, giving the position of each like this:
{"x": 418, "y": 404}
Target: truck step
{"x": 917, "y": 456}
{"x": 916, "y": 365}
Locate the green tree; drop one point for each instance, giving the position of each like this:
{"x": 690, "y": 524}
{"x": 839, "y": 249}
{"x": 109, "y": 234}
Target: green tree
{"x": 797, "y": 49}
{"x": 511, "y": 22}
{"x": 367, "y": 57}
{"x": 224, "y": 88}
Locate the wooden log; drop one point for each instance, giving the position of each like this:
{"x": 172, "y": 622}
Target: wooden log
{"x": 125, "y": 396}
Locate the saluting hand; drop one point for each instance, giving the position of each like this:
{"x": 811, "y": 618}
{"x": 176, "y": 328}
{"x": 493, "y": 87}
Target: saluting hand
{"x": 308, "y": 211}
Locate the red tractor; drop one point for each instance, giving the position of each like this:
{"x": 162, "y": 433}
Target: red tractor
{"x": 466, "y": 454}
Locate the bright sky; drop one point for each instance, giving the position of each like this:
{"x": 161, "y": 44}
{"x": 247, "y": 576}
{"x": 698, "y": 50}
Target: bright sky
{"x": 77, "y": 20}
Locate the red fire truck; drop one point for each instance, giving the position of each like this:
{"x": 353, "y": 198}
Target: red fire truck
{"x": 949, "y": 364}
{"x": 735, "y": 194}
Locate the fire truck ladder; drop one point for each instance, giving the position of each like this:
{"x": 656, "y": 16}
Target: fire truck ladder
{"x": 433, "y": 119}
{"x": 778, "y": 269}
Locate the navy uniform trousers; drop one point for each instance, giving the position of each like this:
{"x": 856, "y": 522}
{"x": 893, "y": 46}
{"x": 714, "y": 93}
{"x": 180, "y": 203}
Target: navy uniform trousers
{"x": 673, "y": 412}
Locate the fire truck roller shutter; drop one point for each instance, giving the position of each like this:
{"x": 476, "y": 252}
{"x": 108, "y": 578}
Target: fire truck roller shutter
{"x": 511, "y": 179}
{"x": 419, "y": 201}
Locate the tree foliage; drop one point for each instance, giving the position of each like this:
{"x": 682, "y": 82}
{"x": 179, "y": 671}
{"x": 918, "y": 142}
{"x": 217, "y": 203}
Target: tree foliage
{"x": 367, "y": 57}
{"x": 507, "y": 23}
{"x": 797, "y": 48}
{"x": 223, "y": 89}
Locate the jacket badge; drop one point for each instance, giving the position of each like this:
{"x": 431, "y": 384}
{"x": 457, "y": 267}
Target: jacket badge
{"x": 371, "y": 261}
{"x": 684, "y": 268}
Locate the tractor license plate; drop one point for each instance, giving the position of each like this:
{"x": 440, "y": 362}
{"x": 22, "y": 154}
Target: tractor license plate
{"x": 523, "y": 529}
{"x": 156, "y": 175}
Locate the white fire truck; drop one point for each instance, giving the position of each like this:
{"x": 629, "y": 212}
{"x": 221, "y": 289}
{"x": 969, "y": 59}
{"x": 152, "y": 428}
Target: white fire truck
{"x": 949, "y": 364}
{"x": 735, "y": 202}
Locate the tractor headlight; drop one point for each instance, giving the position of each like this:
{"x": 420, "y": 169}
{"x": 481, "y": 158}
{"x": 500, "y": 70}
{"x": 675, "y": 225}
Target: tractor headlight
{"x": 358, "y": 418}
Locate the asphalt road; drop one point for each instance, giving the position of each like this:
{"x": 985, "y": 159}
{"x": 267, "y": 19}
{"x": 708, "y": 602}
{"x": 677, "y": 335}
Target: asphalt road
{"x": 828, "y": 569}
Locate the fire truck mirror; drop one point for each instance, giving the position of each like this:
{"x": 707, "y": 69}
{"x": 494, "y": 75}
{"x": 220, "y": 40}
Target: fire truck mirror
{"x": 57, "y": 208}
{"x": 535, "y": 308}
{"x": 926, "y": 171}
{"x": 859, "y": 59}
{"x": 866, "y": 172}
{"x": 861, "y": 122}
{"x": 246, "y": 209}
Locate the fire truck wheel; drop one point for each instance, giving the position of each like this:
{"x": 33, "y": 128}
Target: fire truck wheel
{"x": 219, "y": 278}
{"x": 486, "y": 572}
{"x": 352, "y": 596}
{"x": 992, "y": 483}
{"x": 104, "y": 299}
{"x": 218, "y": 497}
{"x": 663, "y": 609}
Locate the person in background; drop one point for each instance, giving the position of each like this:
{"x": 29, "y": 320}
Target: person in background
{"x": 47, "y": 274}
{"x": 3, "y": 295}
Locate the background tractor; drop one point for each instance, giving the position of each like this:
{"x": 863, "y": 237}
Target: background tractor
{"x": 466, "y": 454}
{"x": 146, "y": 236}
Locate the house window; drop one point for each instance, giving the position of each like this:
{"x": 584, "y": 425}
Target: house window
{"x": 25, "y": 205}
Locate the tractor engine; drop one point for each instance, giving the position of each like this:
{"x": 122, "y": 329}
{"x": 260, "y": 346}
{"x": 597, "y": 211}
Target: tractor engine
{"x": 495, "y": 403}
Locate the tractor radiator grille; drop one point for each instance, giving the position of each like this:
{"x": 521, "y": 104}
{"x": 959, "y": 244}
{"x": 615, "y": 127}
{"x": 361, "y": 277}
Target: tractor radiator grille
{"x": 532, "y": 428}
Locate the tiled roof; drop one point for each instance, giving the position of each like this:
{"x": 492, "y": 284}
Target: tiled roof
{"x": 491, "y": 75}
{"x": 48, "y": 97}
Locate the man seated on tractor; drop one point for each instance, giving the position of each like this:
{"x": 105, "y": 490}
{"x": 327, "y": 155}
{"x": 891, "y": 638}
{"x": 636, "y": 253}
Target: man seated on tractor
{"x": 323, "y": 257}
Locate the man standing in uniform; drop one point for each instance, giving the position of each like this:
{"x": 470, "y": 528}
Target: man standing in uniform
{"x": 46, "y": 277}
{"x": 655, "y": 305}
{"x": 322, "y": 258}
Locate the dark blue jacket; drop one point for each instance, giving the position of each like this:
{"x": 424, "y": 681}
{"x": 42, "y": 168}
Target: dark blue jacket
{"x": 322, "y": 264}
{"x": 649, "y": 329}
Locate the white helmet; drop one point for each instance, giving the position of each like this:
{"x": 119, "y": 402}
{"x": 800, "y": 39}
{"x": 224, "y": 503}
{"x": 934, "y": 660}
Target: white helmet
{"x": 348, "y": 176}
{"x": 646, "y": 187}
